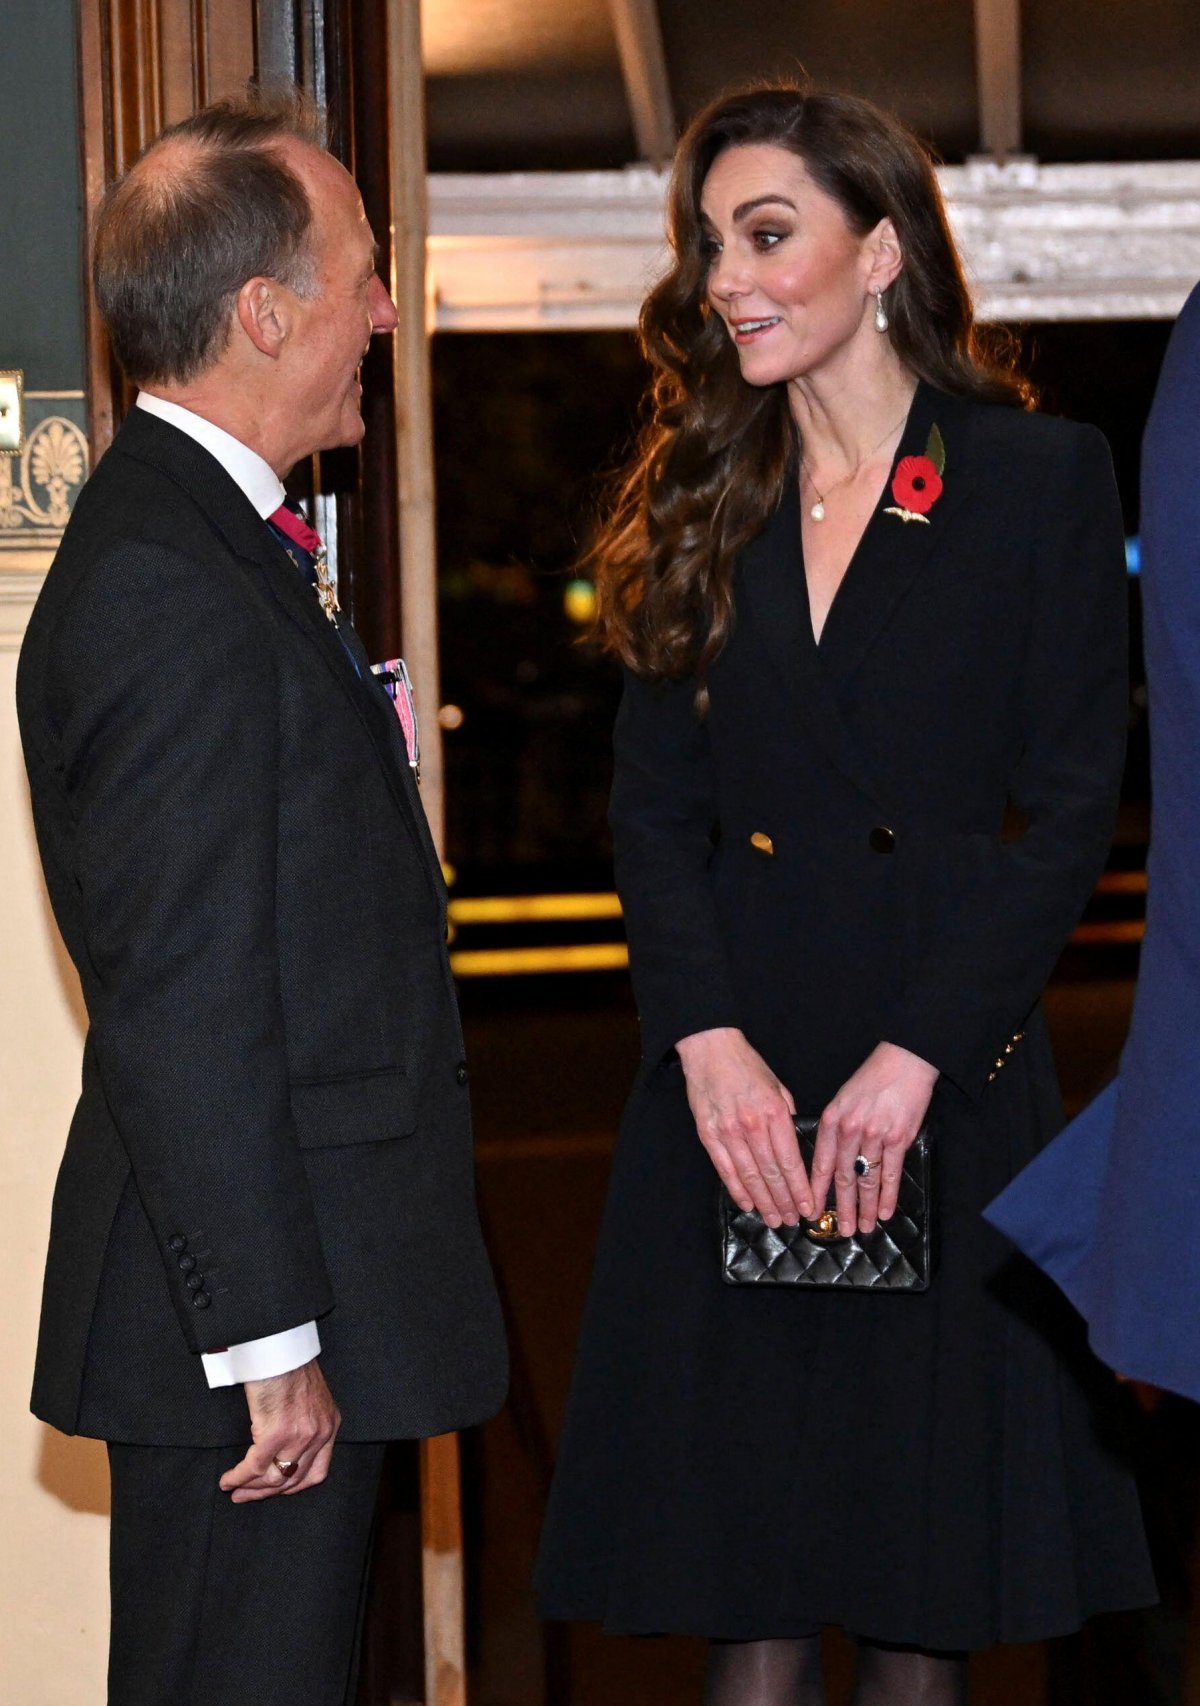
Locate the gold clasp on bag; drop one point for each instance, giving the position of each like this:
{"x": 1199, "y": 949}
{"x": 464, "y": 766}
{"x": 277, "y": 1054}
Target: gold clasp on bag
{"x": 825, "y": 1230}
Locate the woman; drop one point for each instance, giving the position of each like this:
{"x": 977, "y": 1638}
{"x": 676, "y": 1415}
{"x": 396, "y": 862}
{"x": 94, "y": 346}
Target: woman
{"x": 864, "y": 601}
{"x": 1110, "y": 1208}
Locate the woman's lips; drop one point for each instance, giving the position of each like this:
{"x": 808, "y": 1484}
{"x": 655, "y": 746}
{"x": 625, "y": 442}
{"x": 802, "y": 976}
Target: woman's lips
{"x": 750, "y": 331}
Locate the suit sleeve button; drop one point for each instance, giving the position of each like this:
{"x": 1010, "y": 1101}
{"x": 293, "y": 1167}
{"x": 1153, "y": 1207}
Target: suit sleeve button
{"x": 460, "y": 1072}
{"x": 194, "y": 1282}
{"x": 200, "y": 1300}
{"x": 882, "y": 840}
{"x": 186, "y": 1264}
{"x": 177, "y": 1243}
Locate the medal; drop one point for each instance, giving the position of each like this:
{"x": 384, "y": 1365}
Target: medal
{"x": 326, "y": 591}
{"x": 394, "y": 678}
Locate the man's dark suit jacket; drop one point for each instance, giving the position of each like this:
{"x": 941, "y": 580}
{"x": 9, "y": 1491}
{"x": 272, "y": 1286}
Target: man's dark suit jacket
{"x": 274, "y": 1121}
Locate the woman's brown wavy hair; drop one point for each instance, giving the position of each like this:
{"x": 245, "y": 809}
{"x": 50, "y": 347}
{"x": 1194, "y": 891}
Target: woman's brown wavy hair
{"x": 712, "y": 458}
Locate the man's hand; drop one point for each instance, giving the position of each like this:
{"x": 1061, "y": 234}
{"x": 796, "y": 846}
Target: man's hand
{"x": 294, "y": 1419}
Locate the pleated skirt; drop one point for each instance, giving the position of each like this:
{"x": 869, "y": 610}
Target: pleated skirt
{"x": 946, "y": 1469}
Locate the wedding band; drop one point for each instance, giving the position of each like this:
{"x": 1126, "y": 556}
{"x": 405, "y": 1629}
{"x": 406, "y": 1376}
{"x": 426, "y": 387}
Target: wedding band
{"x": 285, "y": 1467}
{"x": 862, "y": 1166}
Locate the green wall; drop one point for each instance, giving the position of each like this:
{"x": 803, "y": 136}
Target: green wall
{"x": 40, "y": 316}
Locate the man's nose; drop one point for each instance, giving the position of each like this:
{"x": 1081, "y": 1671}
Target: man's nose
{"x": 383, "y": 309}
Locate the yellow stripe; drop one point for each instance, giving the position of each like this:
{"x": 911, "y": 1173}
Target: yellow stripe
{"x": 512, "y": 962}
{"x": 1122, "y": 882}
{"x": 531, "y": 908}
{"x": 1108, "y": 935}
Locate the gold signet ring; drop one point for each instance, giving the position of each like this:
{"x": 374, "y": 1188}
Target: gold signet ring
{"x": 285, "y": 1467}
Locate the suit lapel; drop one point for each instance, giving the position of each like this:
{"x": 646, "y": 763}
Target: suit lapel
{"x": 379, "y": 720}
{"x": 892, "y": 553}
{"x": 227, "y": 510}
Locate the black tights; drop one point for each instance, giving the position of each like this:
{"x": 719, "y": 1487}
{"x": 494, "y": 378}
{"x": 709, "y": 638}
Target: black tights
{"x": 903, "y": 1676}
{"x": 788, "y": 1673}
{"x": 765, "y": 1673}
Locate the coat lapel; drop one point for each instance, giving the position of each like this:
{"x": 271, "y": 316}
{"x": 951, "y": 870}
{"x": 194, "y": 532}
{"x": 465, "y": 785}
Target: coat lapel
{"x": 773, "y": 596}
{"x": 892, "y": 553}
{"x": 772, "y": 605}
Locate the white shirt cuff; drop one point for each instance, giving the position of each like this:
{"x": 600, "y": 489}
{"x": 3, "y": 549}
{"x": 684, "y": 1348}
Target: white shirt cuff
{"x": 262, "y": 1359}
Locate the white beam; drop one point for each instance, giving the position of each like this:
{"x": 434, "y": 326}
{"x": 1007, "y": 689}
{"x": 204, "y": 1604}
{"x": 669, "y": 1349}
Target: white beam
{"x": 644, "y": 69}
{"x": 412, "y": 390}
{"x": 578, "y": 250}
{"x": 998, "y": 71}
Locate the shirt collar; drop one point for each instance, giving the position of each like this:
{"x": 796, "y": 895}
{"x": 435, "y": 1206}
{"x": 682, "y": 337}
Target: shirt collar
{"x": 245, "y": 467}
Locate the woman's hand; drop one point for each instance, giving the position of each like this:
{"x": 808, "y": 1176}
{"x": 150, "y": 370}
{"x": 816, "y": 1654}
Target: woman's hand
{"x": 744, "y": 1116}
{"x": 877, "y": 1113}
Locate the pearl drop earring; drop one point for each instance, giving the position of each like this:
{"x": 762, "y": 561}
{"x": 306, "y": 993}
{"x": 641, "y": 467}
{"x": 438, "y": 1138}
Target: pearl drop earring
{"x": 881, "y": 319}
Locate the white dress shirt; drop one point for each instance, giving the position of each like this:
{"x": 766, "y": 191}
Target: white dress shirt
{"x": 278, "y": 1353}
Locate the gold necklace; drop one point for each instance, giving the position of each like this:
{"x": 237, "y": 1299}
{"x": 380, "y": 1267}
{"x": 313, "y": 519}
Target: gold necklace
{"x": 817, "y": 511}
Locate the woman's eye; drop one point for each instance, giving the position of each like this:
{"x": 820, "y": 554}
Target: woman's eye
{"x": 709, "y": 247}
{"x": 767, "y": 240}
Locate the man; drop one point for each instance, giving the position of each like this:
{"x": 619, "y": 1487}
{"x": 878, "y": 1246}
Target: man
{"x": 264, "y": 1257}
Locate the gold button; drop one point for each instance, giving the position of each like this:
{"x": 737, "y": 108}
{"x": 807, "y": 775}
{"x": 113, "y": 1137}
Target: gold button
{"x": 763, "y": 843}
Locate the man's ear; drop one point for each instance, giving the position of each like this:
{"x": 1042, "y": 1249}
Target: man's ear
{"x": 887, "y": 257}
{"x": 263, "y": 313}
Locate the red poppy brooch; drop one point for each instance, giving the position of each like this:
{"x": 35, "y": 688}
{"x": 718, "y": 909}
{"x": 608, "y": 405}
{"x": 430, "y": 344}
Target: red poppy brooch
{"x": 917, "y": 482}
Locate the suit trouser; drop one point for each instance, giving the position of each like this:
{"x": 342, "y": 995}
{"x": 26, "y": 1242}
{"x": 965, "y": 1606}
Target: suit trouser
{"x": 217, "y": 1604}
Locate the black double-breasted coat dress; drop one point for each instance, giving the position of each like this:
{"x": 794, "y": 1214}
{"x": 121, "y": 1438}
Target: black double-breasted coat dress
{"x": 823, "y": 860}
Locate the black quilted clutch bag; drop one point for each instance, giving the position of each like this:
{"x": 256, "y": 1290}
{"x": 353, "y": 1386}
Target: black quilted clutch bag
{"x": 897, "y": 1256}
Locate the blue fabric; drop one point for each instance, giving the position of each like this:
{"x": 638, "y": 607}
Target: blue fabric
{"x": 1111, "y": 1209}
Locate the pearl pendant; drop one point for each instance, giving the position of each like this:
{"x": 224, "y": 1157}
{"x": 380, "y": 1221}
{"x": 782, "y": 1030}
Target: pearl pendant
{"x": 818, "y": 511}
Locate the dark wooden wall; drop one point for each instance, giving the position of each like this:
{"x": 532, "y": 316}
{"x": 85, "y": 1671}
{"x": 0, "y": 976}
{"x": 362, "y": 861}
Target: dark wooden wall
{"x": 145, "y": 64}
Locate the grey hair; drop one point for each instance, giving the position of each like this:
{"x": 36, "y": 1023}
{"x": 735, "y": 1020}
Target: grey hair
{"x": 209, "y": 204}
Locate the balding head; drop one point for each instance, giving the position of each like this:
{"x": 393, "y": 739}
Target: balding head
{"x": 215, "y": 201}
